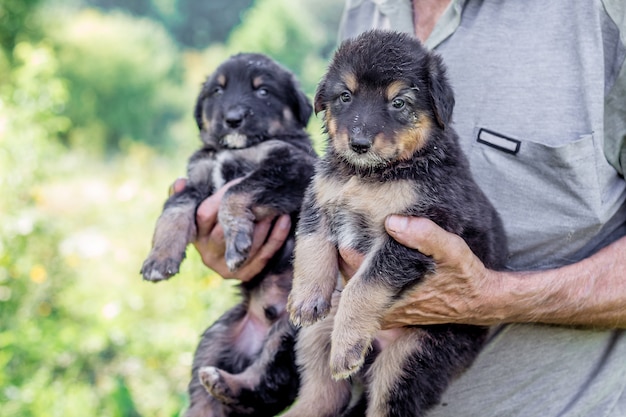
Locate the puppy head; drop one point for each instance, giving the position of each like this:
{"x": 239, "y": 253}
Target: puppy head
{"x": 248, "y": 99}
{"x": 383, "y": 95}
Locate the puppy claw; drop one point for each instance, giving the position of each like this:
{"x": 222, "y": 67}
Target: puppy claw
{"x": 344, "y": 364}
{"x": 215, "y": 385}
{"x": 155, "y": 270}
{"x": 306, "y": 314}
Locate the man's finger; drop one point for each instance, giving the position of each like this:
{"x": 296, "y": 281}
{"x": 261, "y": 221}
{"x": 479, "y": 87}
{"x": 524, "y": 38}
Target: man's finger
{"x": 259, "y": 235}
{"x": 424, "y": 235}
{"x": 177, "y": 186}
{"x": 274, "y": 242}
{"x": 206, "y": 215}
{"x": 277, "y": 237}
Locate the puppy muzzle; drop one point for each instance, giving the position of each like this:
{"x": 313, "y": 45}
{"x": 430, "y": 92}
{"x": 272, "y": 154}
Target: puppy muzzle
{"x": 359, "y": 142}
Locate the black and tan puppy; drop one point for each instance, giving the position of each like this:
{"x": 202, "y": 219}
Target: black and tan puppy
{"x": 252, "y": 117}
{"x": 391, "y": 150}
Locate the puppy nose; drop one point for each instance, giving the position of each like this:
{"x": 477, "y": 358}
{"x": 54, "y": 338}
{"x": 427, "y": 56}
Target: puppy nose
{"x": 360, "y": 144}
{"x": 234, "y": 117}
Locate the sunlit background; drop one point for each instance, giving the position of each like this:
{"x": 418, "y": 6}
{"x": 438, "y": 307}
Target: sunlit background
{"x": 96, "y": 102}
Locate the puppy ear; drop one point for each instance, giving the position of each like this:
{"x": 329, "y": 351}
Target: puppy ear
{"x": 302, "y": 105}
{"x": 318, "y": 102}
{"x": 197, "y": 113}
{"x": 441, "y": 92}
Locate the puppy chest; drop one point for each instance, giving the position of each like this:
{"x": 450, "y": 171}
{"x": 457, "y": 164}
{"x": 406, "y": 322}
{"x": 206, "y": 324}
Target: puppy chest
{"x": 234, "y": 163}
{"x": 357, "y": 209}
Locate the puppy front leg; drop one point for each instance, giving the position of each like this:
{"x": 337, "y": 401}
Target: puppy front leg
{"x": 315, "y": 267}
{"x": 358, "y": 319}
{"x": 175, "y": 229}
{"x": 384, "y": 273}
{"x": 237, "y": 219}
{"x": 277, "y": 186}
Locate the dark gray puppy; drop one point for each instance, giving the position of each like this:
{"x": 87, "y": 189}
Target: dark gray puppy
{"x": 252, "y": 117}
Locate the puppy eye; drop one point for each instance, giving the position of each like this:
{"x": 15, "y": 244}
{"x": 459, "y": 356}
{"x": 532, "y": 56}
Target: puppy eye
{"x": 217, "y": 90}
{"x": 262, "y": 92}
{"x": 346, "y": 97}
{"x": 397, "y": 103}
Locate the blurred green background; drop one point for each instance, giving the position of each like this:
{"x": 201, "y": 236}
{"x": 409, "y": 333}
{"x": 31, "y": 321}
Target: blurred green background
{"x": 96, "y": 101}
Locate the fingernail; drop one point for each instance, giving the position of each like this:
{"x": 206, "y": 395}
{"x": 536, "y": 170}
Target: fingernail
{"x": 173, "y": 187}
{"x": 284, "y": 222}
{"x": 395, "y": 223}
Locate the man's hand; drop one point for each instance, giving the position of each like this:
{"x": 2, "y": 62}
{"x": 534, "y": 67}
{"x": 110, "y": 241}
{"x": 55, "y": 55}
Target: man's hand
{"x": 210, "y": 238}
{"x": 459, "y": 290}
{"x": 590, "y": 292}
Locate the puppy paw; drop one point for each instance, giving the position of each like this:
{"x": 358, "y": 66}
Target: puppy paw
{"x": 215, "y": 385}
{"x": 346, "y": 361}
{"x": 160, "y": 267}
{"x": 307, "y": 311}
{"x": 238, "y": 246}
{"x": 238, "y": 224}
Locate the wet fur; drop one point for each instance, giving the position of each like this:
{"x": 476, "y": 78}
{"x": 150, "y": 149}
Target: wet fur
{"x": 252, "y": 117}
{"x": 391, "y": 150}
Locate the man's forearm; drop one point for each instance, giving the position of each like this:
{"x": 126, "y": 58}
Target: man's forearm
{"x": 591, "y": 292}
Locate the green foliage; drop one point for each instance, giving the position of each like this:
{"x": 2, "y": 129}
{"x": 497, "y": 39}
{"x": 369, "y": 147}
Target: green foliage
{"x": 293, "y": 38}
{"x": 124, "y": 79}
{"x": 192, "y": 23}
{"x": 80, "y": 332}
{"x": 16, "y": 21}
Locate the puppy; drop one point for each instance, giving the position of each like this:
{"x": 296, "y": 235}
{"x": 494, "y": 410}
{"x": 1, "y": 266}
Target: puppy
{"x": 391, "y": 150}
{"x": 252, "y": 117}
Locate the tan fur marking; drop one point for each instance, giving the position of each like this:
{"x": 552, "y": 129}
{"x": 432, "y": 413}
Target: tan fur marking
{"x": 221, "y": 80}
{"x": 350, "y": 81}
{"x": 387, "y": 149}
{"x": 263, "y": 212}
{"x": 331, "y": 123}
{"x": 275, "y": 127}
{"x": 206, "y": 122}
{"x": 288, "y": 114}
{"x": 394, "y": 89}
{"x": 257, "y": 81}
{"x": 412, "y": 140}
{"x": 235, "y": 206}
{"x": 387, "y": 370}
{"x": 376, "y": 200}
{"x": 340, "y": 140}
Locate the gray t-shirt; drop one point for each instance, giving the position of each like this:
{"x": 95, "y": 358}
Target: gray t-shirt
{"x": 540, "y": 91}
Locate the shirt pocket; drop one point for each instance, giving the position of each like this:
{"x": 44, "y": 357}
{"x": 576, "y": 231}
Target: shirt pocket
{"x": 547, "y": 195}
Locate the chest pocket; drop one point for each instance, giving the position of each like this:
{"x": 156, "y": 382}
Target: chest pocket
{"x": 548, "y": 196}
